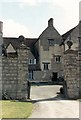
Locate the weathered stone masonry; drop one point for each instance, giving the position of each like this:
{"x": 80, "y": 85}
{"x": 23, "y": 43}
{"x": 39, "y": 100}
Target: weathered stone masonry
{"x": 22, "y": 71}
{"x": 14, "y": 74}
{"x": 9, "y": 76}
{"x": 1, "y": 34}
{"x": 71, "y": 73}
{"x": 79, "y": 69}
{"x": 72, "y": 66}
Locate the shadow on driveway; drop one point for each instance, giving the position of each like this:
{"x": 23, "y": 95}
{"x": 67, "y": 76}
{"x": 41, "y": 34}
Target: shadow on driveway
{"x": 55, "y": 98}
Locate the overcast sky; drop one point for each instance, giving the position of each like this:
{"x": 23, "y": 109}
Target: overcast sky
{"x": 30, "y": 17}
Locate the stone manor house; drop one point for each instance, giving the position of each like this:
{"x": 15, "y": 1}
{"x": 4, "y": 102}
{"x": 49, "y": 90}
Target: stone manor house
{"x": 37, "y": 59}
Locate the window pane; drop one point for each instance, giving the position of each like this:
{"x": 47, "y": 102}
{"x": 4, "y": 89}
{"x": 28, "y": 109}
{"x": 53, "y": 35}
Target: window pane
{"x": 45, "y": 66}
{"x": 51, "y": 42}
{"x": 30, "y": 75}
{"x": 58, "y": 58}
{"x": 32, "y": 61}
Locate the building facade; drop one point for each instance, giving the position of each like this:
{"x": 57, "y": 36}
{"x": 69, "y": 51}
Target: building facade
{"x": 45, "y": 54}
{"x": 48, "y": 54}
{"x": 37, "y": 59}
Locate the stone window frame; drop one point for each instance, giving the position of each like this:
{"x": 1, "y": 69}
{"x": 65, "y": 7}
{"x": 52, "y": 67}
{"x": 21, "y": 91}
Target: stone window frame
{"x": 32, "y": 61}
{"x": 46, "y": 65}
{"x": 58, "y": 58}
{"x": 30, "y": 74}
{"x": 51, "y": 42}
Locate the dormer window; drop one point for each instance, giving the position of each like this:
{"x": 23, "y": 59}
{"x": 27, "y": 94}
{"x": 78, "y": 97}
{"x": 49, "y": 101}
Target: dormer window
{"x": 51, "y": 42}
{"x": 10, "y": 49}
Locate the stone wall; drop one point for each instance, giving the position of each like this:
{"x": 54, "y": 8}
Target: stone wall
{"x": 79, "y": 69}
{"x": 22, "y": 71}
{"x": 0, "y": 77}
{"x": 9, "y": 76}
{"x": 57, "y": 66}
{"x": 15, "y": 74}
{"x": 42, "y": 76}
{"x": 1, "y": 41}
{"x": 71, "y": 73}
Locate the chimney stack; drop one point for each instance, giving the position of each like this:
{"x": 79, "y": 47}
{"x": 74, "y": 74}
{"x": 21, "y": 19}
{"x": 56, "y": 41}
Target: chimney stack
{"x": 50, "y": 22}
{"x": 80, "y": 28}
{"x": 1, "y": 27}
{"x": 1, "y": 34}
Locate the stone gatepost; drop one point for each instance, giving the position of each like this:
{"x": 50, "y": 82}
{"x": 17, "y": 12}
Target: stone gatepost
{"x": 22, "y": 92}
{"x": 79, "y": 69}
{"x": 79, "y": 58}
{"x": 1, "y": 41}
{"x": 71, "y": 74}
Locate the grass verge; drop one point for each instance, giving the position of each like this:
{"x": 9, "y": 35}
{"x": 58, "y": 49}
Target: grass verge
{"x": 16, "y": 109}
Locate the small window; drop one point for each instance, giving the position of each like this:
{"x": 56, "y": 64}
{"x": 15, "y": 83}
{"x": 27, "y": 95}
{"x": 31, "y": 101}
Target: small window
{"x": 31, "y": 75}
{"x": 51, "y": 42}
{"x": 58, "y": 58}
{"x": 46, "y": 66}
{"x": 10, "y": 49}
{"x": 32, "y": 61}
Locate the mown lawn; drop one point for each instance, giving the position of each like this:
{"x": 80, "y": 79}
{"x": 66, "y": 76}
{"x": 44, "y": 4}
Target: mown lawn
{"x": 16, "y": 109}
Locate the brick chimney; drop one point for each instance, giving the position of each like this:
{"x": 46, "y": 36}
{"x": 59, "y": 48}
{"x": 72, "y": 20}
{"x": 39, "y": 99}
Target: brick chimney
{"x": 50, "y": 22}
{"x": 1, "y": 26}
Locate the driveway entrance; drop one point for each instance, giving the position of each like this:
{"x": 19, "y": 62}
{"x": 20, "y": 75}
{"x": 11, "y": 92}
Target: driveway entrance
{"x": 48, "y": 103}
{"x": 45, "y": 92}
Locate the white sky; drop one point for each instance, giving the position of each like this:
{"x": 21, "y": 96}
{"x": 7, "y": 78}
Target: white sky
{"x": 30, "y": 17}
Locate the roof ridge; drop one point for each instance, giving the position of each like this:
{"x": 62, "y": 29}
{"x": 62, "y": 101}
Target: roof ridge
{"x": 65, "y": 35}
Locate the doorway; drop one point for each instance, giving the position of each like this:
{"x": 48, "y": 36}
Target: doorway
{"x": 54, "y": 76}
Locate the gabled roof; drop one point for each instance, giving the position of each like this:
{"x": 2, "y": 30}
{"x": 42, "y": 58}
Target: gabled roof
{"x": 53, "y": 33}
{"x": 65, "y": 35}
{"x": 30, "y": 41}
{"x": 16, "y": 42}
{"x": 10, "y": 40}
{"x": 10, "y": 48}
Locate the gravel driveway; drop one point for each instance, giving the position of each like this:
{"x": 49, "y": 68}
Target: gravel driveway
{"x": 49, "y": 103}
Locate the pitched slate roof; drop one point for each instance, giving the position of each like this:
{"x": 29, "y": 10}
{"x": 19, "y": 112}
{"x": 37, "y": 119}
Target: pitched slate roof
{"x": 51, "y": 32}
{"x": 30, "y": 41}
{"x": 65, "y": 35}
{"x": 16, "y": 42}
